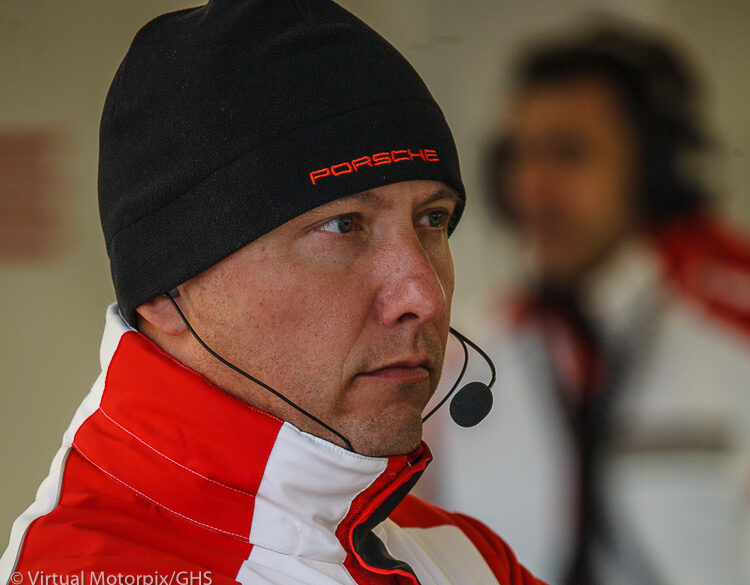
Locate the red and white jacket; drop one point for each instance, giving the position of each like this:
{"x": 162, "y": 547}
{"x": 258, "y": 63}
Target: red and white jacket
{"x": 164, "y": 479}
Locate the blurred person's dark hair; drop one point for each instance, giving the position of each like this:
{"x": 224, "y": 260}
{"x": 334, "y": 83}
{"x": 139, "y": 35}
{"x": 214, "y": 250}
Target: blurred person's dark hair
{"x": 659, "y": 95}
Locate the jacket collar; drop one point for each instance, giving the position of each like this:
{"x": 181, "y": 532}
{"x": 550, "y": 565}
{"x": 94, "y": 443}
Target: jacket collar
{"x": 172, "y": 437}
{"x": 626, "y": 286}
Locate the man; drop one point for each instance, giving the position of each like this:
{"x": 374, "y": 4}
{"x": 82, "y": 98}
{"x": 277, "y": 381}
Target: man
{"x": 277, "y": 187}
{"x": 621, "y": 430}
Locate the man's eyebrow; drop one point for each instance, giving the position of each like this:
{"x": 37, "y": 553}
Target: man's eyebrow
{"x": 449, "y": 194}
{"x": 365, "y": 197}
{"x": 372, "y": 197}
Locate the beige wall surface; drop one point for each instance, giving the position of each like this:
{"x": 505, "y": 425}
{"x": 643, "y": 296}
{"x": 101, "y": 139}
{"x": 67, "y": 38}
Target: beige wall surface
{"x": 56, "y": 62}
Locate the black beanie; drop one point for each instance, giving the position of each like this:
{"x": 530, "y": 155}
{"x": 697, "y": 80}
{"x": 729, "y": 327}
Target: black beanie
{"x": 226, "y": 120}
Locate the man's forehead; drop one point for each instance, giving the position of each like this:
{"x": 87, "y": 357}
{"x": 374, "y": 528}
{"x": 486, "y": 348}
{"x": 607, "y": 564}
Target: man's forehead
{"x": 422, "y": 194}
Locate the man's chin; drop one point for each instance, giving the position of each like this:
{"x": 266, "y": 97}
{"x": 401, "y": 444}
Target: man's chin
{"x": 391, "y": 438}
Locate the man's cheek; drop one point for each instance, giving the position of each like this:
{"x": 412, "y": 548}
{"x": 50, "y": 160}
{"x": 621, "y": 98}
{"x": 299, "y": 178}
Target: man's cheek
{"x": 312, "y": 324}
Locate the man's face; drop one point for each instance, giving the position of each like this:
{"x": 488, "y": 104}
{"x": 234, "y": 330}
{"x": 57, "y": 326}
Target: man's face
{"x": 344, "y": 309}
{"x": 571, "y": 176}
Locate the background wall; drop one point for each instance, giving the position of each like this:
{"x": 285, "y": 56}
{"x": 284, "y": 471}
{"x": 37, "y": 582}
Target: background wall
{"x": 58, "y": 58}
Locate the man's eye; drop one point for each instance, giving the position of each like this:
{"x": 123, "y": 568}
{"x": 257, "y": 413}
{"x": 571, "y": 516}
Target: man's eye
{"x": 343, "y": 224}
{"x": 435, "y": 219}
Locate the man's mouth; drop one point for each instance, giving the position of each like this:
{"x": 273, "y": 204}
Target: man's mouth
{"x": 401, "y": 371}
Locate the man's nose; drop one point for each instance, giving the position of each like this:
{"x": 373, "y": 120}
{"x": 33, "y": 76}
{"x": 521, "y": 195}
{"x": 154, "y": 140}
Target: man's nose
{"x": 412, "y": 289}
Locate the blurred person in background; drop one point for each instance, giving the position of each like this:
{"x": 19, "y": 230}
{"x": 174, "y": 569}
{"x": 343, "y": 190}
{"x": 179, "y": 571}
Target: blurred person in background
{"x": 621, "y": 430}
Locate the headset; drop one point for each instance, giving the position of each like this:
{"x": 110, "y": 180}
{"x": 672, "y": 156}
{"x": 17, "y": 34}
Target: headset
{"x": 470, "y": 405}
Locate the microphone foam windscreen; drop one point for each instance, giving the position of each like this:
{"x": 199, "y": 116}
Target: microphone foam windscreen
{"x": 471, "y": 404}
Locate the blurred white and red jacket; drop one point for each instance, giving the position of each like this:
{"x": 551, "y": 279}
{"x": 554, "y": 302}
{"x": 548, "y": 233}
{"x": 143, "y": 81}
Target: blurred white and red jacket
{"x": 164, "y": 479}
{"x": 676, "y": 477}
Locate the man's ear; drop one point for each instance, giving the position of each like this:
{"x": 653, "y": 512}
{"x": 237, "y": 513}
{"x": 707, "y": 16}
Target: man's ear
{"x": 159, "y": 313}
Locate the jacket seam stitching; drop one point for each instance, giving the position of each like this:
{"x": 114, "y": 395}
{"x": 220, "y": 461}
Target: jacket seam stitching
{"x": 168, "y": 458}
{"x": 155, "y": 502}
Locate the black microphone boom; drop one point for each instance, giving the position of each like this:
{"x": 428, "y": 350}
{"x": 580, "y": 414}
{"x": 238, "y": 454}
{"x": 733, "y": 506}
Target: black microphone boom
{"x": 456, "y": 383}
{"x": 473, "y": 402}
